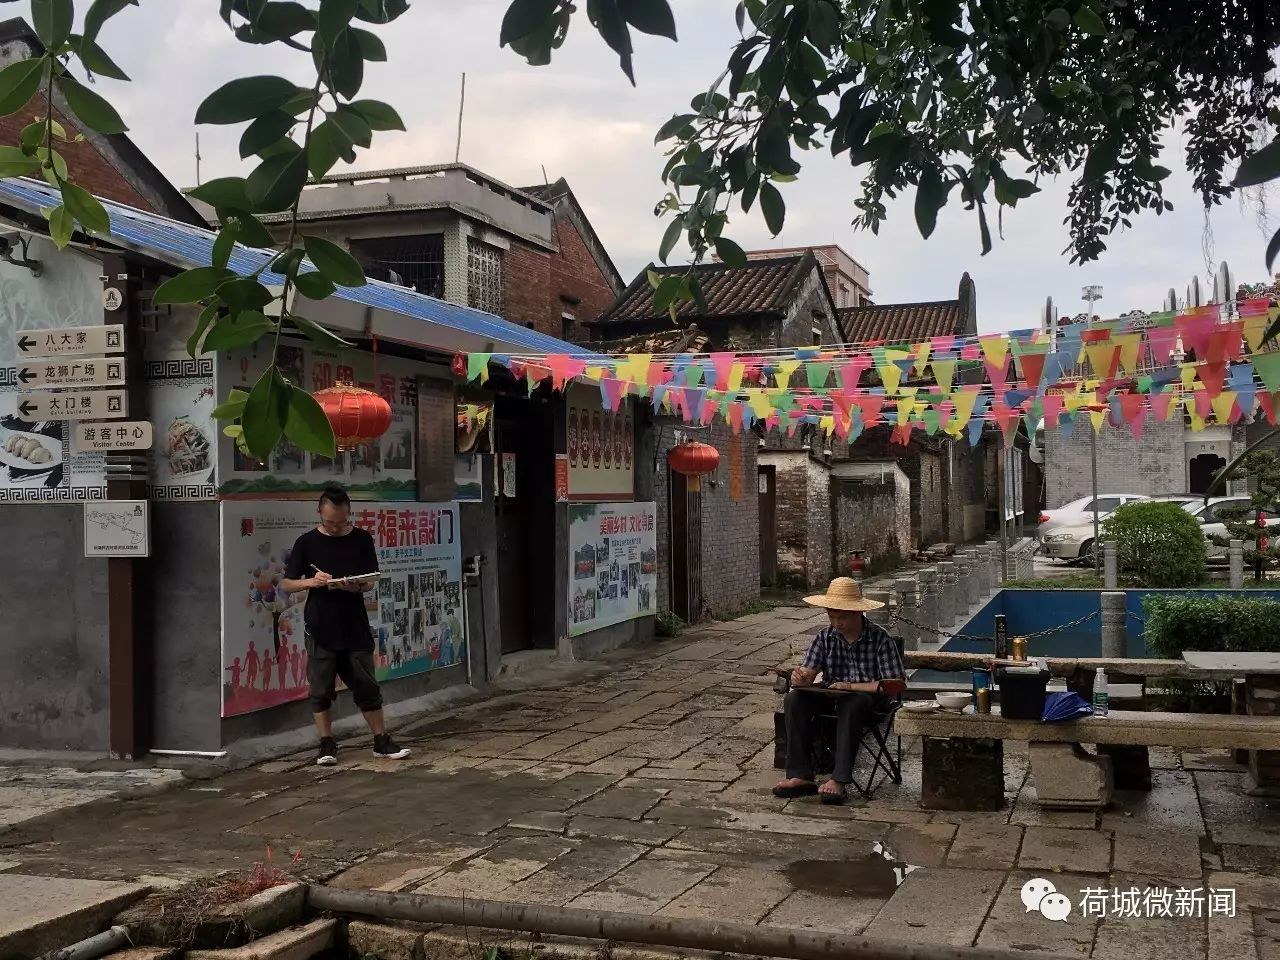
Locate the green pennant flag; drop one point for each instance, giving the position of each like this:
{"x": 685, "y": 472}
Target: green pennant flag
{"x": 1144, "y": 384}
{"x": 931, "y": 419}
{"x": 817, "y": 374}
{"x": 1267, "y": 366}
{"x": 477, "y": 365}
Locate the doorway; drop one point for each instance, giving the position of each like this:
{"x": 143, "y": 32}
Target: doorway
{"x": 525, "y": 523}
{"x": 686, "y": 546}
{"x": 1200, "y": 471}
{"x": 767, "y": 483}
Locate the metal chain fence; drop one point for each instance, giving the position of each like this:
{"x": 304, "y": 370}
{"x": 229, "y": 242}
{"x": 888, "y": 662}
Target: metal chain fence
{"x": 896, "y": 617}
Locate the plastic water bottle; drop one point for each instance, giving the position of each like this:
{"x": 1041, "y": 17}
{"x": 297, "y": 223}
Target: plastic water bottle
{"x": 1101, "y": 699}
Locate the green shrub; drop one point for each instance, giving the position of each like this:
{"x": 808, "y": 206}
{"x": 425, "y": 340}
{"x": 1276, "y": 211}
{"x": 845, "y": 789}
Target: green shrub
{"x": 1222, "y": 622}
{"x": 1157, "y": 544}
{"x": 668, "y": 624}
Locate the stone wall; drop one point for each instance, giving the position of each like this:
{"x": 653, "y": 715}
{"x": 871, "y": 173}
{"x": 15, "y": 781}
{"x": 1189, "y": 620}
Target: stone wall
{"x": 873, "y": 516}
{"x": 803, "y": 512}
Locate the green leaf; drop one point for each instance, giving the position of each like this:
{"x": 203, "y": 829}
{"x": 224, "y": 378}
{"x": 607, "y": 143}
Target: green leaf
{"x": 325, "y": 146}
{"x": 85, "y": 207}
{"x": 931, "y": 196}
{"x": 90, "y": 107}
{"x": 653, "y": 17}
{"x": 665, "y": 294}
{"x": 245, "y": 98}
{"x": 524, "y": 17}
{"x": 277, "y": 21}
{"x": 223, "y": 193}
{"x": 378, "y": 115}
{"x": 1089, "y": 21}
{"x": 334, "y": 262}
{"x": 1259, "y": 167}
{"x": 773, "y": 207}
{"x": 669, "y": 239}
{"x": 1273, "y": 250}
{"x": 352, "y": 126}
{"x": 674, "y": 126}
{"x": 369, "y": 44}
{"x": 346, "y": 66}
{"x": 207, "y": 316}
{"x": 95, "y": 59}
{"x": 252, "y": 231}
{"x": 52, "y": 20}
{"x": 15, "y": 163}
{"x": 61, "y": 226}
{"x": 191, "y": 286}
{"x": 243, "y": 293}
{"x": 266, "y": 412}
{"x": 265, "y": 131}
{"x": 315, "y": 332}
{"x": 100, "y": 11}
{"x": 276, "y": 182}
{"x": 381, "y": 11}
{"x": 729, "y": 252}
{"x": 1059, "y": 18}
{"x": 314, "y": 285}
{"x": 307, "y": 425}
{"x": 31, "y": 137}
{"x": 231, "y": 409}
{"x": 334, "y": 16}
{"x": 244, "y": 330}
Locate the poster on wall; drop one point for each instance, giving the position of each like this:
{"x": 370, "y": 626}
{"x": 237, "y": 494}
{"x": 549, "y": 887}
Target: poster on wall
{"x": 381, "y": 470}
{"x": 613, "y": 564}
{"x": 468, "y": 478}
{"x": 38, "y": 463}
{"x": 600, "y": 447}
{"x": 415, "y": 612}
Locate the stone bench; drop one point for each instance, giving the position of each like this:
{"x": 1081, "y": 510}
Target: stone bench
{"x": 963, "y": 755}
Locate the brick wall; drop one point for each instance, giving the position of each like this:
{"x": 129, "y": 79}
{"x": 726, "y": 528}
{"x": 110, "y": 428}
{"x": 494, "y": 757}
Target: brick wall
{"x": 89, "y": 168}
{"x": 1153, "y": 465}
{"x": 526, "y": 282}
{"x": 730, "y": 529}
{"x": 803, "y": 518}
{"x": 874, "y": 518}
{"x": 575, "y": 274}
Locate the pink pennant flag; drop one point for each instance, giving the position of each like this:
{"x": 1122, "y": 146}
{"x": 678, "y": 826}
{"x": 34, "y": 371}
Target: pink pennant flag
{"x": 736, "y": 412}
{"x": 1204, "y": 404}
{"x": 564, "y": 368}
{"x": 1268, "y": 403}
{"x": 1212, "y": 376}
{"x": 998, "y": 374}
{"x": 723, "y": 362}
{"x": 614, "y": 389}
{"x": 1161, "y": 341}
{"x": 942, "y": 344}
{"x": 971, "y": 351}
{"x": 1051, "y": 404}
{"x": 708, "y": 411}
{"x": 1196, "y": 331}
{"x": 870, "y": 407}
{"x": 901, "y": 435}
{"x": 1134, "y": 408}
{"x": 1162, "y": 403}
{"x": 850, "y": 372}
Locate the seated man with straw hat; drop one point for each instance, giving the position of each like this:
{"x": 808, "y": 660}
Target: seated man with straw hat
{"x": 852, "y": 654}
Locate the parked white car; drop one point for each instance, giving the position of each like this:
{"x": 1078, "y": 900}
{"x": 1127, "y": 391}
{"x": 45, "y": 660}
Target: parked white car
{"x": 1081, "y": 511}
{"x": 1071, "y": 541}
{"x": 1207, "y": 515}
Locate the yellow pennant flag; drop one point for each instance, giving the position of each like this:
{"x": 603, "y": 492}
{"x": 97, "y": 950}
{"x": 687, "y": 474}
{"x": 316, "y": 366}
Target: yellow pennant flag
{"x": 890, "y": 372}
{"x": 1130, "y": 344}
{"x": 595, "y": 374}
{"x": 1098, "y": 418}
{"x": 995, "y": 349}
{"x": 1101, "y": 357}
{"x": 1254, "y": 328}
{"x": 759, "y": 402}
{"x": 906, "y": 407}
{"x": 1197, "y": 421}
{"x": 736, "y": 373}
{"x": 635, "y": 369}
{"x": 827, "y": 424}
{"x": 1074, "y": 400}
{"x": 944, "y": 372}
{"x": 1222, "y": 405}
{"x": 1188, "y": 371}
{"x": 922, "y": 357}
{"x": 964, "y": 401}
{"x": 785, "y": 368}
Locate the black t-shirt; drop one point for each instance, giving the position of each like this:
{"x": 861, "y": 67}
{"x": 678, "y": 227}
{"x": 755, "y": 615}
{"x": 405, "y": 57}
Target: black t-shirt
{"x": 336, "y": 619}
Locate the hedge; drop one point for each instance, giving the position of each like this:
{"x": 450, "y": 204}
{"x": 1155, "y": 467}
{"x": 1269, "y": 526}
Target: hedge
{"x": 1222, "y": 623}
{"x": 1158, "y": 544}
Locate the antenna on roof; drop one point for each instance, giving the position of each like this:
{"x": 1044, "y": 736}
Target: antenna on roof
{"x": 197, "y": 158}
{"x": 462, "y": 103}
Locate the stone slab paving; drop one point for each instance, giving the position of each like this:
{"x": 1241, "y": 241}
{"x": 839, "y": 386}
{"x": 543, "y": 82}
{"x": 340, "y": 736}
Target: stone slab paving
{"x": 646, "y": 789}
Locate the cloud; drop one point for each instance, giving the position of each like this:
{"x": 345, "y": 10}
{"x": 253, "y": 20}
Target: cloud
{"x": 581, "y": 119}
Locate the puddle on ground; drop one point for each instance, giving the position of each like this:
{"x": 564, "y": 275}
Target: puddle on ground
{"x": 878, "y": 874}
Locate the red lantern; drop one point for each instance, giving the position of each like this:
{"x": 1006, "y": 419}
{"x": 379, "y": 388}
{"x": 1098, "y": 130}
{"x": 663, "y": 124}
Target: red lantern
{"x": 357, "y": 415}
{"x": 693, "y": 459}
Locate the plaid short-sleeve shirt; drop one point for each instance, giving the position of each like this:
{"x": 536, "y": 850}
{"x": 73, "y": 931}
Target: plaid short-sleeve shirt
{"x": 873, "y": 657}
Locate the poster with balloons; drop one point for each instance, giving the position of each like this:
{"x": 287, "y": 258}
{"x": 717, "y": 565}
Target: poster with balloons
{"x": 415, "y": 613}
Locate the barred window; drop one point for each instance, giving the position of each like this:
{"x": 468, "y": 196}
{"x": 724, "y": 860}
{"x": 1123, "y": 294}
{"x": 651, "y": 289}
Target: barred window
{"x": 484, "y": 276}
{"x": 416, "y": 262}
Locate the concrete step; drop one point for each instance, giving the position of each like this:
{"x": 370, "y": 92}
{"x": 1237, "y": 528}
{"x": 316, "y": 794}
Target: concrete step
{"x": 295, "y": 943}
{"x": 39, "y": 914}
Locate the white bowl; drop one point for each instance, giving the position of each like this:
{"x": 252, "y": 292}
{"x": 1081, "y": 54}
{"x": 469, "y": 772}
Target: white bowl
{"x": 954, "y": 701}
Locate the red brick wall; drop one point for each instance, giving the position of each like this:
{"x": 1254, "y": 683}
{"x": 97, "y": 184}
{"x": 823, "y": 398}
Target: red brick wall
{"x": 533, "y": 282}
{"x": 88, "y": 167}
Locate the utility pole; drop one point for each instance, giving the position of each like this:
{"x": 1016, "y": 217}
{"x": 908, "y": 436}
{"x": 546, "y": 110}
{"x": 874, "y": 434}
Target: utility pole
{"x": 1091, "y": 294}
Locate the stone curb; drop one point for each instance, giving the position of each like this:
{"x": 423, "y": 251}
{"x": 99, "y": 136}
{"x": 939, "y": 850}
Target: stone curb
{"x": 296, "y": 943}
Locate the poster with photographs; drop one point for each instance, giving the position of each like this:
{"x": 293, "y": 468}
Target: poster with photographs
{"x": 600, "y": 447}
{"x": 415, "y": 612}
{"x": 613, "y": 564}
{"x": 381, "y": 470}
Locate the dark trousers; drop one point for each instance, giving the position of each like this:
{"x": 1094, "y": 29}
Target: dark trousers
{"x": 854, "y": 713}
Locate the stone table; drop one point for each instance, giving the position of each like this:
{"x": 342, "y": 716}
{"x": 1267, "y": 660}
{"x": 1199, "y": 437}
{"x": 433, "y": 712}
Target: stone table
{"x": 1261, "y": 673}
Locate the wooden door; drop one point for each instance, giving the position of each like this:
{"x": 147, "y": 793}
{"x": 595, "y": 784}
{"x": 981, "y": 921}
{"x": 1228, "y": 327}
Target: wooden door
{"x": 686, "y": 547}
{"x": 768, "y": 527}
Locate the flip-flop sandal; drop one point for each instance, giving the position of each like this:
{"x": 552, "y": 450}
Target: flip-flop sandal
{"x": 790, "y": 793}
{"x": 834, "y": 799}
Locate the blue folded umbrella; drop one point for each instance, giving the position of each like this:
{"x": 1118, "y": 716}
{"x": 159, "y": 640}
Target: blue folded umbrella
{"x": 1061, "y": 707}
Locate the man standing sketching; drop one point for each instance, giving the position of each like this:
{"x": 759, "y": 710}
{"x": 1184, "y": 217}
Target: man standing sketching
{"x": 339, "y": 642}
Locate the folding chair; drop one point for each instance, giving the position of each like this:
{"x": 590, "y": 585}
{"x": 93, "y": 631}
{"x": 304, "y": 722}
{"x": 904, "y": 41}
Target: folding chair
{"x": 885, "y": 763}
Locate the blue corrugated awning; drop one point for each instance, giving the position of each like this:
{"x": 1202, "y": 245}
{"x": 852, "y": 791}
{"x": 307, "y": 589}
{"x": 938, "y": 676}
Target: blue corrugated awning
{"x": 186, "y": 246}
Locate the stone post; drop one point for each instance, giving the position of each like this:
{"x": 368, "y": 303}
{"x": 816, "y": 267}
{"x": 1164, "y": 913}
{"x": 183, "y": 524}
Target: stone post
{"x": 880, "y": 616}
{"x": 927, "y": 602}
{"x": 1235, "y": 556}
{"x": 946, "y": 593}
{"x": 1262, "y": 699}
{"x": 1110, "y": 570}
{"x": 905, "y": 588}
{"x": 975, "y": 576}
{"x": 993, "y": 565}
{"x": 1114, "y": 614}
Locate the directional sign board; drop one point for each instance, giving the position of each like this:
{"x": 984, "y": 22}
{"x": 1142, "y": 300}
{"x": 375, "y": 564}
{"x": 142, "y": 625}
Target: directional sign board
{"x": 68, "y": 372}
{"x": 115, "y": 436}
{"x": 70, "y": 341}
{"x": 73, "y": 405}
{"x": 116, "y": 528}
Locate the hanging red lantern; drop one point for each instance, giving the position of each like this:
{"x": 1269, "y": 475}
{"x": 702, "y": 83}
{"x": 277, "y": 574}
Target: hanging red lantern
{"x": 693, "y": 459}
{"x": 357, "y": 415}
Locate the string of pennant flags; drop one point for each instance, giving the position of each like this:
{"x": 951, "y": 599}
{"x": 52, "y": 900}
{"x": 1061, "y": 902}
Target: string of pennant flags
{"x": 1121, "y": 373}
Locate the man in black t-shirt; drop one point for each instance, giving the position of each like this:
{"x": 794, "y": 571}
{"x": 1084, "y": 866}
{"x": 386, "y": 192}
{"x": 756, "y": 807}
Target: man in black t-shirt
{"x": 339, "y": 641}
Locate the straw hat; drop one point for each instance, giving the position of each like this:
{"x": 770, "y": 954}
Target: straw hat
{"x": 844, "y": 593}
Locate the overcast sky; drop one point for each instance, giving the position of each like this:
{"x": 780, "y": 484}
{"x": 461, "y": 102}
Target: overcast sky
{"x": 580, "y": 119}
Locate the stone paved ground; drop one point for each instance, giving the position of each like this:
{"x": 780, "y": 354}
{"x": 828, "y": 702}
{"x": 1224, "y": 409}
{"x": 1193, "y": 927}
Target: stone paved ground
{"x": 646, "y": 789}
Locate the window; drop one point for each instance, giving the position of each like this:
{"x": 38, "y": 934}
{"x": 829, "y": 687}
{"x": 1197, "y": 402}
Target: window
{"x": 484, "y": 276}
{"x": 1105, "y": 505}
{"x": 416, "y": 262}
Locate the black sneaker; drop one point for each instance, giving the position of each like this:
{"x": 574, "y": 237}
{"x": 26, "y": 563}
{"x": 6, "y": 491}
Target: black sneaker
{"x": 387, "y": 749}
{"x": 328, "y": 755}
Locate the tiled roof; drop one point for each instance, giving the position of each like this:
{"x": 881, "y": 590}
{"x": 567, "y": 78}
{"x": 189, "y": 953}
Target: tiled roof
{"x": 902, "y": 321}
{"x": 762, "y": 286}
{"x": 680, "y": 340}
